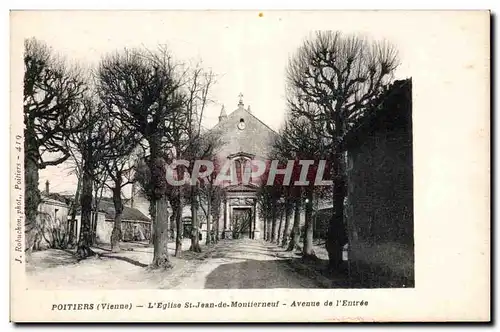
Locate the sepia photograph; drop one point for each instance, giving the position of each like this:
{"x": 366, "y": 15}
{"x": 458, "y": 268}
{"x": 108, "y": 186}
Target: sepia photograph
{"x": 228, "y": 150}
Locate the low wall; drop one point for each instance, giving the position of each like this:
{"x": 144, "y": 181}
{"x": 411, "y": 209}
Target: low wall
{"x": 132, "y": 230}
{"x": 51, "y": 224}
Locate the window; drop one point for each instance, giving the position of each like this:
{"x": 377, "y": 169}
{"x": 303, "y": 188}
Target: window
{"x": 241, "y": 124}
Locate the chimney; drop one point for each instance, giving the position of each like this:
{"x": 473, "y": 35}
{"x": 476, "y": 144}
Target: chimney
{"x": 248, "y": 109}
{"x": 47, "y": 186}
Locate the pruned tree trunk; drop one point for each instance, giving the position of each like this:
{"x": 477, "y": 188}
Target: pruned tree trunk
{"x": 95, "y": 216}
{"x": 278, "y": 237}
{"x": 116, "y": 234}
{"x": 336, "y": 238}
{"x": 74, "y": 208}
{"x": 179, "y": 226}
{"x": 269, "y": 231}
{"x": 307, "y": 249}
{"x": 250, "y": 227}
{"x": 31, "y": 201}
{"x": 295, "y": 236}
{"x": 217, "y": 226}
{"x": 286, "y": 230}
{"x": 85, "y": 240}
{"x": 195, "y": 240}
{"x": 208, "y": 240}
{"x": 265, "y": 228}
{"x": 152, "y": 212}
{"x": 274, "y": 224}
{"x": 161, "y": 258}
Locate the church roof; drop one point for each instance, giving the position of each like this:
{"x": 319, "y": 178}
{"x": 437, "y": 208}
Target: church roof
{"x": 255, "y": 138}
{"x": 128, "y": 213}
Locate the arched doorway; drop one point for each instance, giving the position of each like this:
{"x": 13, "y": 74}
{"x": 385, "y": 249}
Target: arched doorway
{"x": 241, "y": 222}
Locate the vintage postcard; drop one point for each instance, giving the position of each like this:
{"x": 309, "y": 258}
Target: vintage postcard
{"x": 250, "y": 166}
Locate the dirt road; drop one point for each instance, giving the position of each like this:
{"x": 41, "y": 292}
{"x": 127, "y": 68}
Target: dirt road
{"x": 245, "y": 264}
{"x": 228, "y": 264}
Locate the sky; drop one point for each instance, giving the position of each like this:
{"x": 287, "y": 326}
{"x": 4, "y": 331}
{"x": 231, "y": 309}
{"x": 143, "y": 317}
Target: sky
{"x": 248, "y": 52}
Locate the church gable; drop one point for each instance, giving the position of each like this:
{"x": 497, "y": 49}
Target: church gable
{"x": 243, "y": 132}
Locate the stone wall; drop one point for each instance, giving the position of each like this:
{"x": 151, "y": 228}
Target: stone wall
{"x": 379, "y": 202}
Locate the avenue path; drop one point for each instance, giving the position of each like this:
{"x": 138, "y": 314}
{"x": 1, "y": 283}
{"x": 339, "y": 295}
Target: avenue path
{"x": 241, "y": 263}
{"x": 245, "y": 263}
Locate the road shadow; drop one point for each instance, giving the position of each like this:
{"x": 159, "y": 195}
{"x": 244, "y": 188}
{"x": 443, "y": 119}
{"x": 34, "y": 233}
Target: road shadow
{"x": 232, "y": 253}
{"x": 257, "y": 274}
{"x": 101, "y": 248}
{"x": 125, "y": 259}
{"x": 366, "y": 276}
{"x": 51, "y": 258}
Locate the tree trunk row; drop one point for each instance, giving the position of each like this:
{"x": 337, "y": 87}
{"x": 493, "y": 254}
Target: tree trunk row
{"x": 161, "y": 257}
{"x": 195, "y": 240}
{"x": 286, "y": 231}
{"x": 208, "y": 240}
{"x": 116, "y": 234}
{"x": 179, "y": 227}
{"x": 295, "y": 235}
{"x": 307, "y": 248}
{"x": 85, "y": 241}
{"x": 336, "y": 238}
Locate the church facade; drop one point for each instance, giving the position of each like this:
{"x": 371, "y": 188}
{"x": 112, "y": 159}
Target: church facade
{"x": 244, "y": 138}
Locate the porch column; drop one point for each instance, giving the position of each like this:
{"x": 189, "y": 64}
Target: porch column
{"x": 256, "y": 229}
{"x": 226, "y": 213}
{"x": 227, "y": 218}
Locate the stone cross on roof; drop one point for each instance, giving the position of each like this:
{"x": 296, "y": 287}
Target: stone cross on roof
{"x": 241, "y": 99}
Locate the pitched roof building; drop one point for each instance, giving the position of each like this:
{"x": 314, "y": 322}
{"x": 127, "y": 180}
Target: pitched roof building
{"x": 242, "y": 131}
{"x": 244, "y": 137}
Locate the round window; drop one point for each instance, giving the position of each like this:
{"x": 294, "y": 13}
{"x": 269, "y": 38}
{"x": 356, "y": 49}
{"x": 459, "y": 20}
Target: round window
{"x": 241, "y": 125}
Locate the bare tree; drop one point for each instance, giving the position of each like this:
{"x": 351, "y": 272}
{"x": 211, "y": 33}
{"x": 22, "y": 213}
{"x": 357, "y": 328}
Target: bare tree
{"x": 299, "y": 141}
{"x": 96, "y": 144}
{"x": 283, "y": 151}
{"x": 179, "y": 142}
{"x": 142, "y": 176}
{"x": 120, "y": 171}
{"x": 177, "y": 201}
{"x": 202, "y": 148}
{"x": 100, "y": 180}
{"x": 295, "y": 234}
{"x": 281, "y": 213}
{"x": 212, "y": 196}
{"x": 339, "y": 77}
{"x": 268, "y": 197}
{"x": 75, "y": 169}
{"x": 199, "y": 145}
{"x": 52, "y": 92}
{"x": 142, "y": 89}
{"x": 288, "y": 215}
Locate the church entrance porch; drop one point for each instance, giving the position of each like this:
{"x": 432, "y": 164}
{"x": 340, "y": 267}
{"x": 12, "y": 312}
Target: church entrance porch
{"x": 240, "y": 216}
